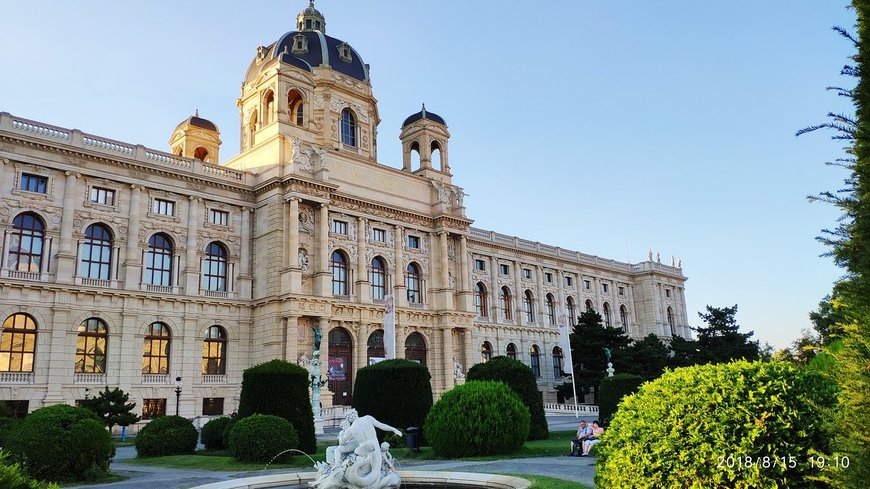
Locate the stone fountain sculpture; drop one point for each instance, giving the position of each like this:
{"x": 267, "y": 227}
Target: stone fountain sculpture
{"x": 358, "y": 462}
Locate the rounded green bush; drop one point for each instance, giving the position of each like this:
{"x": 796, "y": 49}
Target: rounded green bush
{"x": 6, "y": 427}
{"x": 396, "y": 392}
{"x": 477, "y": 418}
{"x": 737, "y": 424}
{"x": 166, "y": 435}
{"x": 225, "y": 434}
{"x": 280, "y": 388}
{"x": 62, "y": 443}
{"x": 212, "y": 434}
{"x": 259, "y": 438}
{"x": 520, "y": 379}
{"x": 612, "y": 390}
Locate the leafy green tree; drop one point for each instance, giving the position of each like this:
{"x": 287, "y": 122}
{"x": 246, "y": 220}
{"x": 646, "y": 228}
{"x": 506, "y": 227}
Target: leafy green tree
{"x": 828, "y": 320}
{"x": 588, "y": 342}
{"x": 112, "y": 407}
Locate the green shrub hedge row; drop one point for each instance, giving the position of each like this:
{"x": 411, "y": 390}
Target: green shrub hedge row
{"x": 396, "y": 392}
{"x": 260, "y": 438}
{"x": 166, "y": 435}
{"x": 520, "y": 379}
{"x": 612, "y": 390}
{"x": 212, "y": 433}
{"x": 477, "y": 418}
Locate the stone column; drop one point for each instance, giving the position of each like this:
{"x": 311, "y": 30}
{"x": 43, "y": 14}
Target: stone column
{"x": 519, "y": 295}
{"x": 495, "y": 315}
{"x": 362, "y": 278}
{"x": 191, "y": 268}
{"x": 57, "y": 366}
{"x": 246, "y": 279}
{"x": 323, "y": 276}
{"x": 291, "y": 276}
{"x": 472, "y": 350}
{"x": 132, "y": 255}
{"x": 633, "y": 325}
{"x": 448, "y": 380}
{"x": 596, "y": 286}
{"x": 444, "y": 269}
{"x": 66, "y": 260}
{"x": 400, "y": 298}
{"x": 291, "y": 338}
{"x": 129, "y": 359}
{"x": 465, "y": 269}
{"x": 540, "y": 297}
{"x": 562, "y": 304}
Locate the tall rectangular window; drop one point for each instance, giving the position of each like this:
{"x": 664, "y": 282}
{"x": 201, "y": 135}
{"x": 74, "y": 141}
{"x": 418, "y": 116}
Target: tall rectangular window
{"x": 102, "y": 196}
{"x": 33, "y": 183}
{"x": 504, "y": 269}
{"x": 548, "y": 277}
{"x": 339, "y": 227}
{"x": 479, "y": 265}
{"x": 379, "y": 235}
{"x": 569, "y": 281}
{"x": 153, "y": 408}
{"x": 604, "y": 288}
{"x": 587, "y": 284}
{"x": 527, "y": 273}
{"x": 622, "y": 291}
{"x": 219, "y": 217}
{"x": 163, "y": 207}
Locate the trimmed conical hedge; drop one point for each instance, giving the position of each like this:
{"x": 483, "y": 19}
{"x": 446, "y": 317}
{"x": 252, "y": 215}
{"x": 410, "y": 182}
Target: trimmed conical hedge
{"x": 521, "y": 380}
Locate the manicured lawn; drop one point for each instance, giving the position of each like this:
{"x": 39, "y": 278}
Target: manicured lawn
{"x": 106, "y": 479}
{"x": 223, "y": 460}
{"x": 542, "y": 482}
{"x": 557, "y": 444}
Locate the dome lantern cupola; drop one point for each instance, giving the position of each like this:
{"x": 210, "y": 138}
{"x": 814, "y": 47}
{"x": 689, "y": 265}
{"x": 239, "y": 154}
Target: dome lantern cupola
{"x": 311, "y": 19}
{"x": 424, "y": 137}
{"x": 196, "y": 137}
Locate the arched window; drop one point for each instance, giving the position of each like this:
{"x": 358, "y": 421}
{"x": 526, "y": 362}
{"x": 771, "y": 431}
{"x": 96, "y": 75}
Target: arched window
{"x": 607, "y": 319}
{"x": 529, "y": 306}
{"x": 338, "y": 268}
{"x": 214, "y": 267}
{"x": 339, "y": 370}
{"x": 214, "y": 351}
{"x": 551, "y": 309}
{"x": 511, "y": 351}
{"x": 297, "y": 107}
{"x": 378, "y": 278}
{"x": 25, "y": 243}
{"x": 376, "y": 350}
{"x": 572, "y": 314}
{"x": 18, "y": 343}
{"x": 485, "y": 352}
{"x": 415, "y": 348}
{"x": 535, "y": 361}
{"x": 348, "y": 128}
{"x": 480, "y": 299}
{"x": 91, "y": 345}
{"x": 671, "y": 321}
{"x": 158, "y": 261}
{"x": 623, "y": 318}
{"x": 589, "y": 306}
{"x": 155, "y": 354}
{"x": 268, "y": 108}
{"x": 435, "y": 151}
{"x": 412, "y": 281}
{"x": 96, "y": 253}
{"x": 557, "y": 363}
{"x": 415, "y": 155}
{"x": 504, "y": 300}
{"x": 200, "y": 153}
{"x": 252, "y": 128}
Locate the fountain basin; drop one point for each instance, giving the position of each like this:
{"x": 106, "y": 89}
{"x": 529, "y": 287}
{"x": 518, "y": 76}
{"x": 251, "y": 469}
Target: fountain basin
{"x": 411, "y": 479}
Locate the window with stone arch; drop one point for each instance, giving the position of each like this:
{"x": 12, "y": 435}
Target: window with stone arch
{"x": 535, "y": 361}
{"x": 378, "y": 278}
{"x": 529, "y": 306}
{"x": 551, "y": 309}
{"x": 413, "y": 283}
{"x": 91, "y": 346}
{"x": 158, "y": 260}
{"x": 155, "y": 353}
{"x": 415, "y": 348}
{"x": 607, "y": 316}
{"x": 414, "y": 153}
{"x": 623, "y": 318}
{"x": 572, "y": 314}
{"x": 480, "y": 299}
{"x": 253, "y": 123}
{"x": 200, "y": 153}
{"x": 214, "y": 351}
{"x": 25, "y": 243}
{"x": 671, "y": 321}
{"x": 338, "y": 268}
{"x": 485, "y": 351}
{"x": 296, "y": 105}
{"x": 589, "y": 306}
{"x": 268, "y": 107}
{"x": 96, "y": 253}
{"x": 375, "y": 346}
{"x": 504, "y": 300}
{"x": 214, "y": 267}
{"x": 348, "y": 128}
{"x": 557, "y": 363}
{"x": 437, "y": 155}
{"x": 511, "y": 351}
{"x": 18, "y": 343}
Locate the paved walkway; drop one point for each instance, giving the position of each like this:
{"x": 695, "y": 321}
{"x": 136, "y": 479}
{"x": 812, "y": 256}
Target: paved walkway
{"x": 577, "y": 469}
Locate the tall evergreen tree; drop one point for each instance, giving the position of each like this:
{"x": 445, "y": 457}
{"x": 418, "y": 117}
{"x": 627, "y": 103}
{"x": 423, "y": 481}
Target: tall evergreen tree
{"x": 112, "y": 407}
{"x": 588, "y": 342}
{"x": 721, "y": 341}
{"x": 647, "y": 357}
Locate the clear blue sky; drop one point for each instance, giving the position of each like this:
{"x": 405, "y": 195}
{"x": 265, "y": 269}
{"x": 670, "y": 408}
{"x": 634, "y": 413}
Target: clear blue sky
{"x": 605, "y": 127}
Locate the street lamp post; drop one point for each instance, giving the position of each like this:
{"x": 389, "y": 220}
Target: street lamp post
{"x": 177, "y": 394}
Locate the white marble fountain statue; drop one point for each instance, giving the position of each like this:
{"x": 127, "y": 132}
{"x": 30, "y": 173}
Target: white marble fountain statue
{"x": 358, "y": 461}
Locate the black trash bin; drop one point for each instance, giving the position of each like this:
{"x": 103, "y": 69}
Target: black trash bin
{"x": 412, "y": 438}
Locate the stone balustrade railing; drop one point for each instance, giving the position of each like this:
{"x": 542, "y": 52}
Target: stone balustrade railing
{"x": 110, "y": 148}
{"x": 580, "y": 409}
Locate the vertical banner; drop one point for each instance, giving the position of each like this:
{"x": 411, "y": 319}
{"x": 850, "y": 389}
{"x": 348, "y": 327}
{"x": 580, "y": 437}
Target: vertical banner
{"x": 565, "y": 344}
{"x": 389, "y": 328}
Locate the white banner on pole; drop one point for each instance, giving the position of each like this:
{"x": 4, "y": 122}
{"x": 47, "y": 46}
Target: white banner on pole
{"x": 565, "y": 344}
{"x": 389, "y": 328}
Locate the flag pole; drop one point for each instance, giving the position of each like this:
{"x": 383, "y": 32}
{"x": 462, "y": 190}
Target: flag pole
{"x": 565, "y": 343}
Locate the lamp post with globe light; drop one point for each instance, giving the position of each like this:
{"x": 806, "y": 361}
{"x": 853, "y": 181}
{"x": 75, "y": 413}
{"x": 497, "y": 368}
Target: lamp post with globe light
{"x": 177, "y": 394}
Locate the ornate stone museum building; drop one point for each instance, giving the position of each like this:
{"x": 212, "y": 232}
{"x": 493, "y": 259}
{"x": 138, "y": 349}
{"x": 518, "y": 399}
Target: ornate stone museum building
{"x": 131, "y": 267}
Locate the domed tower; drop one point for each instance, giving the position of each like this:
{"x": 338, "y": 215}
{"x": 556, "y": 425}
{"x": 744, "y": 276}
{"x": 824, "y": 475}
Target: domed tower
{"x": 306, "y": 94}
{"x": 196, "y": 137}
{"x": 424, "y": 136}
